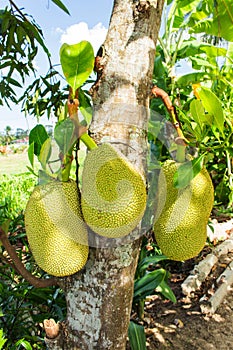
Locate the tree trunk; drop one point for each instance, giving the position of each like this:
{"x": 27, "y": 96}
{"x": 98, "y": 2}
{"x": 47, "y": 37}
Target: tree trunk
{"x": 99, "y": 298}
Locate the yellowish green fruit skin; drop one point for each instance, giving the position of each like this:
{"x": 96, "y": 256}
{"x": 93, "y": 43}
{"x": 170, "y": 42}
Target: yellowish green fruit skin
{"x": 55, "y": 228}
{"x": 182, "y": 215}
{"x": 113, "y": 193}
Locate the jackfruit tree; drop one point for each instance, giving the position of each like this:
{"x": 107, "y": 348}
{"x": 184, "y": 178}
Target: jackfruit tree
{"x": 98, "y": 277}
{"x": 96, "y": 316}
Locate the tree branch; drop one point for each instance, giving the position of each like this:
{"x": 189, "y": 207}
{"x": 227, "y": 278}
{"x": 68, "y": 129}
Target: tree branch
{"x": 35, "y": 281}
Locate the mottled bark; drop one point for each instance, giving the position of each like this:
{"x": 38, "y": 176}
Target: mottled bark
{"x": 99, "y": 298}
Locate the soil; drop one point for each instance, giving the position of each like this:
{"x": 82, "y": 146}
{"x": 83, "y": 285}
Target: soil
{"x": 182, "y": 326}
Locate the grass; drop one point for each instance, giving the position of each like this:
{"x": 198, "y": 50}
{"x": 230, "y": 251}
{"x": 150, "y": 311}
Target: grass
{"x": 12, "y": 164}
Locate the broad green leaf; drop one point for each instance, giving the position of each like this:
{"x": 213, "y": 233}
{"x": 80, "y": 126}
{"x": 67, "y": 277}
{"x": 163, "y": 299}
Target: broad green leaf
{"x": 77, "y": 63}
{"x": 220, "y": 23}
{"x": 137, "y": 338}
{"x": 64, "y": 135}
{"x": 187, "y": 171}
{"x": 61, "y": 5}
{"x": 198, "y": 63}
{"x": 154, "y": 127}
{"x": 31, "y": 154}
{"x": 85, "y": 106}
{"x": 213, "y": 106}
{"x": 148, "y": 283}
{"x": 38, "y": 135}
{"x": 192, "y": 78}
{"x": 197, "y": 112}
{"x": 150, "y": 260}
{"x": 166, "y": 291}
{"x": 194, "y": 47}
{"x": 45, "y": 153}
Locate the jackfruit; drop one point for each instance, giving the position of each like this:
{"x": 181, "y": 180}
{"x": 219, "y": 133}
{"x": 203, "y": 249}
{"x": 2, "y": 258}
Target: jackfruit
{"x": 113, "y": 192}
{"x": 182, "y": 214}
{"x": 55, "y": 228}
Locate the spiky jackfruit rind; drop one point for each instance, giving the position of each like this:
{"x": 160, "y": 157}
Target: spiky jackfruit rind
{"x": 182, "y": 215}
{"x": 113, "y": 193}
{"x": 55, "y": 228}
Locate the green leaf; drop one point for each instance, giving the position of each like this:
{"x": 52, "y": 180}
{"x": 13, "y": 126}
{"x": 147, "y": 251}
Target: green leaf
{"x": 31, "y": 170}
{"x": 166, "y": 291}
{"x": 187, "y": 171}
{"x": 220, "y": 23}
{"x": 64, "y": 135}
{"x": 61, "y": 5}
{"x": 191, "y": 78}
{"x": 148, "y": 261}
{"x": 77, "y": 63}
{"x": 13, "y": 82}
{"x": 197, "y": 112}
{"x": 24, "y": 343}
{"x": 38, "y": 135}
{"x": 195, "y": 47}
{"x": 45, "y": 153}
{"x": 85, "y": 106}
{"x": 137, "y": 338}
{"x": 146, "y": 284}
{"x": 213, "y": 106}
{"x": 31, "y": 154}
{"x": 2, "y": 339}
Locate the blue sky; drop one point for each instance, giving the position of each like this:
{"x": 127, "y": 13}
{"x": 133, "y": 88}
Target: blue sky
{"x": 57, "y": 25}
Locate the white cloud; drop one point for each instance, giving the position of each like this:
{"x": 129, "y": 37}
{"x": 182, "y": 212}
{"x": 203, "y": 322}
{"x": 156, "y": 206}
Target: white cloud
{"x": 80, "y": 31}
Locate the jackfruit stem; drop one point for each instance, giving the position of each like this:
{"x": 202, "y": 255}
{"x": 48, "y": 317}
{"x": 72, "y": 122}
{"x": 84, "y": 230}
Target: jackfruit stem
{"x": 157, "y": 92}
{"x": 66, "y": 166}
{"x": 88, "y": 141}
{"x": 180, "y": 153}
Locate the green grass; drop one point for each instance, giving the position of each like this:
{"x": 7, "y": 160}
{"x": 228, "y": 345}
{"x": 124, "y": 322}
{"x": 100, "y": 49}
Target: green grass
{"x": 14, "y": 163}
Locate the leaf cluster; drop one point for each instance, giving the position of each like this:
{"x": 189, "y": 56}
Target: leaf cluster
{"x": 194, "y": 35}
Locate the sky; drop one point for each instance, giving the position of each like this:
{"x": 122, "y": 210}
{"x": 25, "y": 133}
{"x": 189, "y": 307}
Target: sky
{"x": 88, "y": 20}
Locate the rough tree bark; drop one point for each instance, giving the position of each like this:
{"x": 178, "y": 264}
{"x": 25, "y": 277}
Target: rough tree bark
{"x": 99, "y": 298}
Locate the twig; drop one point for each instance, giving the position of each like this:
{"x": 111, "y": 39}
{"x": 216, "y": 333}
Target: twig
{"x": 35, "y": 281}
{"x": 157, "y": 92}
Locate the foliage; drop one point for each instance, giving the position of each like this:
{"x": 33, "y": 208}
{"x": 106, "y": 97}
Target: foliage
{"x": 203, "y": 98}
{"x": 137, "y": 337}
{"x": 150, "y": 277}
{"x": 15, "y": 191}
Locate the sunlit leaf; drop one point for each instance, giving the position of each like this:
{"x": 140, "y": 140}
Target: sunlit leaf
{"x": 85, "y": 106}
{"x": 38, "y": 135}
{"x": 187, "y": 171}
{"x": 31, "y": 153}
{"x": 45, "y": 152}
{"x": 220, "y": 23}
{"x": 213, "y": 106}
{"x": 77, "y": 63}
{"x": 64, "y": 135}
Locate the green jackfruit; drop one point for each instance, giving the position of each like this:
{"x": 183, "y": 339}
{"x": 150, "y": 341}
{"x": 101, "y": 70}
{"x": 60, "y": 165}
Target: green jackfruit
{"x": 55, "y": 228}
{"x": 182, "y": 215}
{"x": 113, "y": 193}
